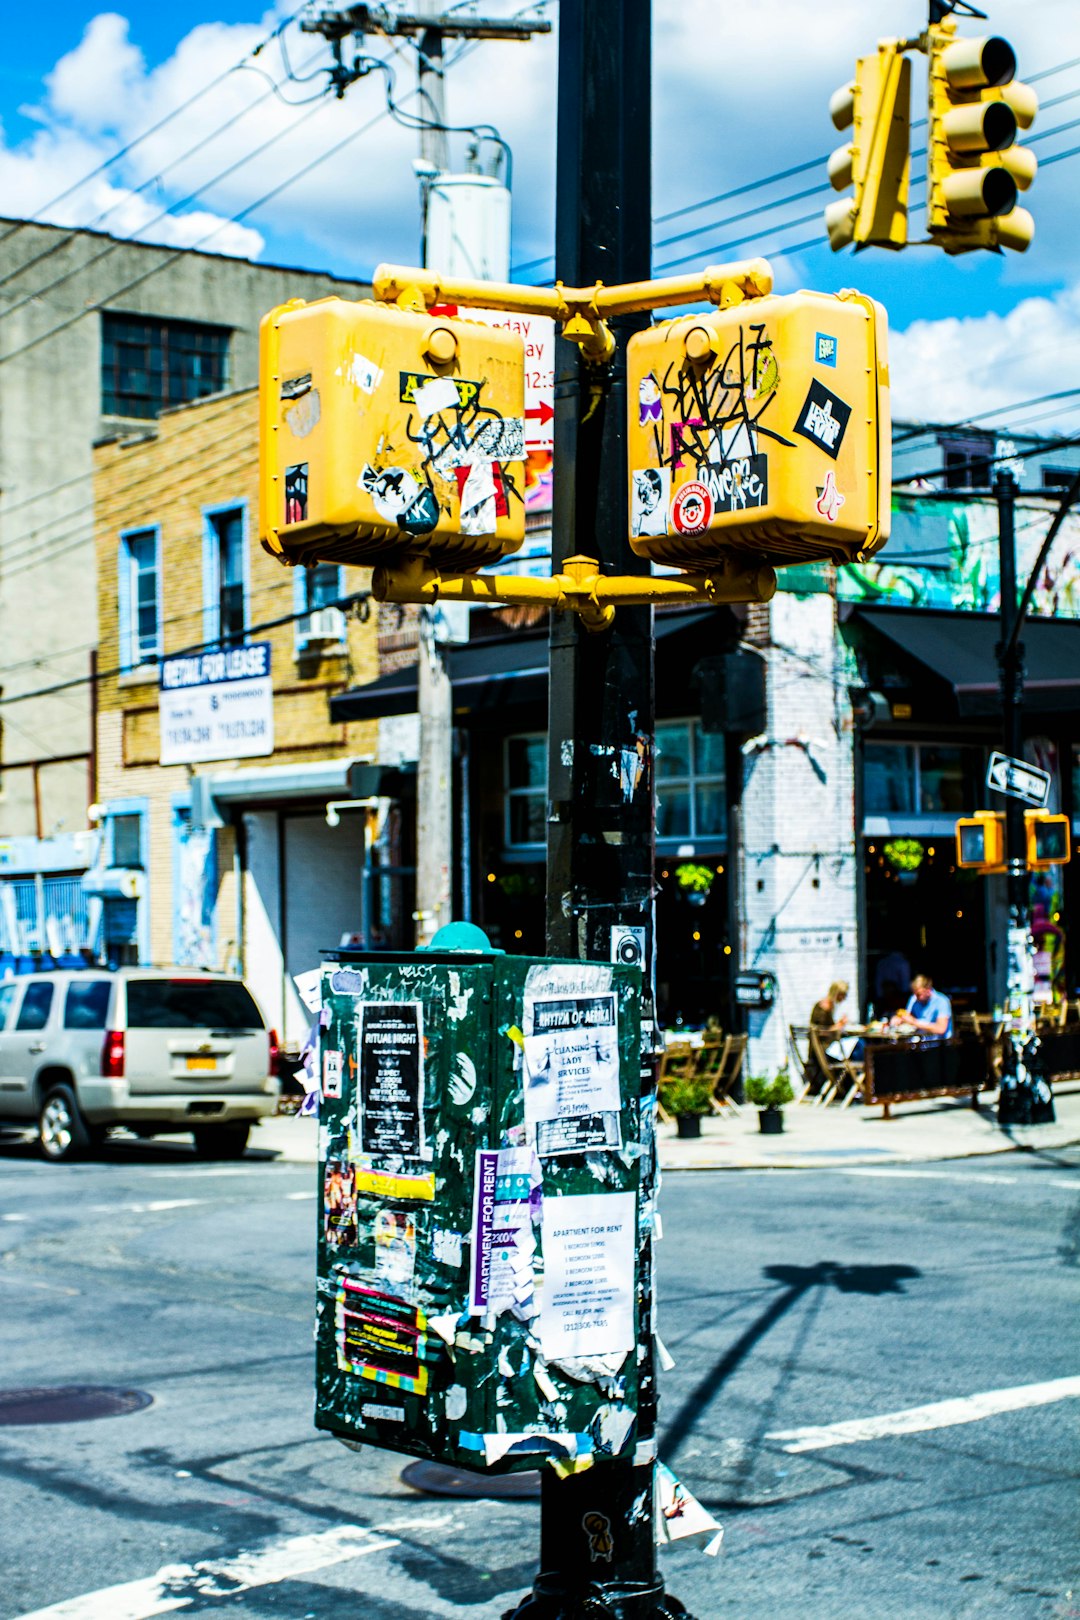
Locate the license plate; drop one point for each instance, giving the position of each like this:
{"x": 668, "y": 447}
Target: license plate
{"x": 202, "y": 1063}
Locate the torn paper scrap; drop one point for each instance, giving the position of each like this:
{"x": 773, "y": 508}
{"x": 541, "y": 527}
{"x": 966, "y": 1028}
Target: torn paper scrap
{"x": 680, "y": 1514}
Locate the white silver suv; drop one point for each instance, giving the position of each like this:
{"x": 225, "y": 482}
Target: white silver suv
{"x": 153, "y": 1050}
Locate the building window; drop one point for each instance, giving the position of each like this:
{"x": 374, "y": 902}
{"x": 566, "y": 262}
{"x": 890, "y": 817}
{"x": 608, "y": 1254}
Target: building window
{"x": 968, "y": 460}
{"x": 691, "y": 798}
{"x": 526, "y": 790}
{"x": 225, "y": 569}
{"x": 1058, "y": 477}
{"x": 148, "y": 364}
{"x": 314, "y": 589}
{"x": 126, "y": 831}
{"x": 904, "y": 779}
{"x": 139, "y": 599}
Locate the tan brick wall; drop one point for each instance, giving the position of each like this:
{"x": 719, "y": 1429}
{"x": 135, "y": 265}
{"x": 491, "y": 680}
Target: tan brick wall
{"x": 206, "y": 455}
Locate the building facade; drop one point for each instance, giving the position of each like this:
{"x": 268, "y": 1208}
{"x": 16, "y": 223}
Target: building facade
{"x": 97, "y": 335}
{"x": 253, "y": 860}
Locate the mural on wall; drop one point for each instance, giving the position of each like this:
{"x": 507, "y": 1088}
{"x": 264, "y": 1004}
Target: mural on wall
{"x": 944, "y": 554}
{"x": 195, "y": 893}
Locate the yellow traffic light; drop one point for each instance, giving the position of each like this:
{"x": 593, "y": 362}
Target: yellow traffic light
{"x": 1048, "y": 841}
{"x": 761, "y": 430}
{"x": 980, "y": 841}
{"x": 384, "y": 433}
{"x": 877, "y": 160}
{"x": 974, "y": 167}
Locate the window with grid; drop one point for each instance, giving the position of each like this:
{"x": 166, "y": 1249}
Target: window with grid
{"x": 526, "y": 789}
{"x": 139, "y": 599}
{"x": 227, "y": 565}
{"x": 968, "y": 460}
{"x": 691, "y": 797}
{"x": 906, "y": 779}
{"x": 148, "y": 363}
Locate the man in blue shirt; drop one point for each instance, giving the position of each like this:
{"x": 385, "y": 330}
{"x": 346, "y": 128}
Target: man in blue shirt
{"x": 928, "y": 1012}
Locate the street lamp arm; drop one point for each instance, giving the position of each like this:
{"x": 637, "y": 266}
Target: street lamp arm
{"x": 1071, "y": 495}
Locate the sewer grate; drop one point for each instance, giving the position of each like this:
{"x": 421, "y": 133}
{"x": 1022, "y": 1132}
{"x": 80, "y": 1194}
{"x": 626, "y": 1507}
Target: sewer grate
{"x": 68, "y": 1403}
{"x": 437, "y": 1479}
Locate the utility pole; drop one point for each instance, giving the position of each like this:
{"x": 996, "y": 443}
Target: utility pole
{"x": 431, "y": 26}
{"x": 1015, "y": 1103}
{"x": 600, "y": 865}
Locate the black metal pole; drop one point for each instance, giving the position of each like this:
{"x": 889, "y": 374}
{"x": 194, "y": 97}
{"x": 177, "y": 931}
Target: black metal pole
{"x": 1014, "y": 1106}
{"x": 600, "y": 868}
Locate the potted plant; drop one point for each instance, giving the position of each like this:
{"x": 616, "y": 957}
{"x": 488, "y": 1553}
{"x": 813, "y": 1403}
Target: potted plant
{"x": 687, "y": 1096}
{"x": 769, "y": 1097}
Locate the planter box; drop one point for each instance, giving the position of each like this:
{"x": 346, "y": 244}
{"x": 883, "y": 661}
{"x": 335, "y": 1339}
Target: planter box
{"x": 771, "y": 1121}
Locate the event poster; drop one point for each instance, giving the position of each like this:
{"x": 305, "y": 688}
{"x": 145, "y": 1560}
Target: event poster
{"x": 391, "y": 1079}
{"x": 588, "y": 1297}
{"x": 571, "y": 1056}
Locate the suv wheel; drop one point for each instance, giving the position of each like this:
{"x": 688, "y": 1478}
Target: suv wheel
{"x": 221, "y": 1141}
{"x": 62, "y": 1131}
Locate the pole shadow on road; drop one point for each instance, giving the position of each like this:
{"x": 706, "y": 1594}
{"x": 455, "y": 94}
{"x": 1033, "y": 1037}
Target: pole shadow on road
{"x": 793, "y": 1284}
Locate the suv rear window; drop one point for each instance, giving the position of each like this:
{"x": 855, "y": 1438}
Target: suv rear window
{"x": 34, "y": 1012}
{"x": 190, "y": 1004}
{"x": 87, "y": 1005}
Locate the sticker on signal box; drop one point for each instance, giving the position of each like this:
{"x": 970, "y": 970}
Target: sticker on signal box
{"x": 692, "y": 508}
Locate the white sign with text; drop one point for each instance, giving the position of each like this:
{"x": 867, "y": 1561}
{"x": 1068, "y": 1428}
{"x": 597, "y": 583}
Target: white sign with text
{"x": 217, "y": 705}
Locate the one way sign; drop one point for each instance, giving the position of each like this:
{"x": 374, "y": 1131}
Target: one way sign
{"x": 1019, "y": 780}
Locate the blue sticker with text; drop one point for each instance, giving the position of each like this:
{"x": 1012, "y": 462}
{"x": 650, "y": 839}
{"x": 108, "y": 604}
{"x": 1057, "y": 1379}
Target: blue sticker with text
{"x": 824, "y": 349}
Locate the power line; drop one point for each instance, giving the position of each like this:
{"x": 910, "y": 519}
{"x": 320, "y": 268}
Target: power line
{"x": 342, "y": 602}
{"x": 137, "y": 140}
{"x": 1049, "y": 448}
{"x": 998, "y": 410}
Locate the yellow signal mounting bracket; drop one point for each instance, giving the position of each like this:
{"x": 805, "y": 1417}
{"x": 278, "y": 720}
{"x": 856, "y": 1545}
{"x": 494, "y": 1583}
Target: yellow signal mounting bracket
{"x": 580, "y": 588}
{"x": 579, "y": 310}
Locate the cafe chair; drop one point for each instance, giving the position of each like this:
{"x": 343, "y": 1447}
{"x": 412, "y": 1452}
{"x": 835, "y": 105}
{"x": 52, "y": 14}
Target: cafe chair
{"x": 723, "y": 1062}
{"x": 801, "y": 1069}
{"x": 844, "y": 1079}
{"x": 676, "y": 1063}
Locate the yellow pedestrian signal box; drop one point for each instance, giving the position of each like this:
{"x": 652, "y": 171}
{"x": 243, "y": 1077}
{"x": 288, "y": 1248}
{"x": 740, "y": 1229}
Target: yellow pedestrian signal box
{"x": 384, "y": 432}
{"x": 1048, "y": 841}
{"x": 762, "y": 429}
{"x": 974, "y": 167}
{"x": 980, "y": 841}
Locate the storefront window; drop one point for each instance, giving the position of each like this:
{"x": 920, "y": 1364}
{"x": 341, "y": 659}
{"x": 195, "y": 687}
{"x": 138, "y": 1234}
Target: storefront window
{"x": 691, "y": 799}
{"x": 941, "y": 781}
{"x": 889, "y": 780}
{"x": 526, "y": 789}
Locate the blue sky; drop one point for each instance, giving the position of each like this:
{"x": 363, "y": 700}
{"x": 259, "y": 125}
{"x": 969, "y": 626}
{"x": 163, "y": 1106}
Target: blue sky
{"x": 740, "y": 93}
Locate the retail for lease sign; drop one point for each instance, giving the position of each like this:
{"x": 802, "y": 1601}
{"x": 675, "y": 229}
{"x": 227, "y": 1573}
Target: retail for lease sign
{"x": 217, "y": 705}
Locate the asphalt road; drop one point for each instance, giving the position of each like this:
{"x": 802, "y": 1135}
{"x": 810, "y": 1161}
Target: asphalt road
{"x": 789, "y": 1299}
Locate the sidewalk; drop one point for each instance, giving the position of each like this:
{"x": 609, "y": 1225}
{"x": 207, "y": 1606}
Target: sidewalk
{"x": 939, "y": 1128}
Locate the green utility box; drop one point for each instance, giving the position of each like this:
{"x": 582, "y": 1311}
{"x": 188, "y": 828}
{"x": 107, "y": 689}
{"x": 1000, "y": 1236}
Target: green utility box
{"x": 480, "y": 1148}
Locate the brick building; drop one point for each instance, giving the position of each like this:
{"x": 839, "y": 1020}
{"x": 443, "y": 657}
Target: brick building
{"x": 229, "y": 863}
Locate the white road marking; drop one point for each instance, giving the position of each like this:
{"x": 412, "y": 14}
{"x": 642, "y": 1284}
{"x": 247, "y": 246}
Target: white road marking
{"x": 938, "y": 1415}
{"x": 902, "y": 1173}
{"x": 15, "y": 1217}
{"x": 175, "y": 1586}
{"x": 293, "y": 1196}
{"x": 152, "y": 1208}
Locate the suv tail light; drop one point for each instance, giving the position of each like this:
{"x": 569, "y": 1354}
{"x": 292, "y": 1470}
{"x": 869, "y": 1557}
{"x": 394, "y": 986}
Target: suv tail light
{"x": 274, "y": 1066}
{"x": 112, "y": 1055}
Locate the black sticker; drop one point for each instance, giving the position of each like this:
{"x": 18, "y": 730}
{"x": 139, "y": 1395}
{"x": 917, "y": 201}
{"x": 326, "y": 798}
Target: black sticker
{"x": 296, "y": 493}
{"x": 739, "y": 484}
{"x": 823, "y": 419}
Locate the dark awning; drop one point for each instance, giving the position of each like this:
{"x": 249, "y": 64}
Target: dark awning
{"x": 502, "y": 669}
{"x": 960, "y": 649}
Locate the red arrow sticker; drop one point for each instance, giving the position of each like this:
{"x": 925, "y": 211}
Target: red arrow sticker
{"x": 692, "y": 508}
{"x": 543, "y": 411}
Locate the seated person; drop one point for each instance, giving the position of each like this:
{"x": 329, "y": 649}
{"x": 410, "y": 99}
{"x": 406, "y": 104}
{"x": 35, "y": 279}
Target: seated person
{"x": 928, "y": 1012}
{"x": 829, "y": 1022}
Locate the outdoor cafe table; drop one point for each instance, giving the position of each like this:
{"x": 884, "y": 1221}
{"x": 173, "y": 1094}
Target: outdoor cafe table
{"x": 901, "y": 1066}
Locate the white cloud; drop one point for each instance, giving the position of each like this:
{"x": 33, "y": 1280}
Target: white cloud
{"x": 966, "y": 366}
{"x": 92, "y": 85}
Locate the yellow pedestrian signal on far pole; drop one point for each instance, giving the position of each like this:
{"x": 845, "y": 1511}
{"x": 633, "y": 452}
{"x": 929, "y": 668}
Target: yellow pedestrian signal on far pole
{"x": 1048, "y": 840}
{"x": 877, "y": 160}
{"x": 980, "y": 841}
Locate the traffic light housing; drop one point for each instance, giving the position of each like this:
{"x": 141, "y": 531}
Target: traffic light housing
{"x": 1048, "y": 840}
{"x": 761, "y": 430}
{"x": 386, "y": 432}
{"x": 877, "y": 160}
{"x": 980, "y": 842}
{"x": 974, "y": 166}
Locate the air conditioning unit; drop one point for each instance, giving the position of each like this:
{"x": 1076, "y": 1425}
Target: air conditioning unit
{"x": 326, "y": 624}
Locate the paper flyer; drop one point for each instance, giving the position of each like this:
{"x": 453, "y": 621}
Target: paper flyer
{"x": 588, "y": 1297}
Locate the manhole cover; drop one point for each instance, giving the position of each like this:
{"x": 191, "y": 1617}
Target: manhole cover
{"x": 68, "y": 1403}
{"x": 436, "y": 1479}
